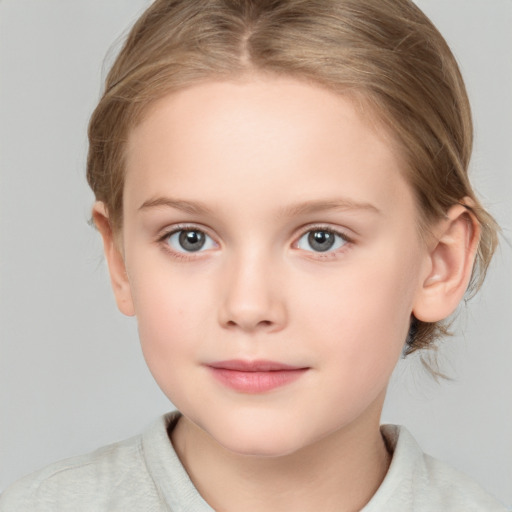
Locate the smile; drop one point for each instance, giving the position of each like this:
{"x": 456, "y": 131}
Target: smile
{"x": 254, "y": 376}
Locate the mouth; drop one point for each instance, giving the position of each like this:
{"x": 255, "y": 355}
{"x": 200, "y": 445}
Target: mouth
{"x": 255, "y": 376}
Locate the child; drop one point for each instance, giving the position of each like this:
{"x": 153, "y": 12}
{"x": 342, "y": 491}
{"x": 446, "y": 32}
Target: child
{"x": 282, "y": 194}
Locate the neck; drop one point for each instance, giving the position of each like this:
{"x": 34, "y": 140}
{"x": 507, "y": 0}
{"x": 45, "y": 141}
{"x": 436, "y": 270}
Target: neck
{"x": 341, "y": 472}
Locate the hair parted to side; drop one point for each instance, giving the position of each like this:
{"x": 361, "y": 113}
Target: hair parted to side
{"x": 385, "y": 53}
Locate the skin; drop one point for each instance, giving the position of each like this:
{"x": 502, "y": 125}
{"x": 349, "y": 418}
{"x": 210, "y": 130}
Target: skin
{"x": 268, "y": 161}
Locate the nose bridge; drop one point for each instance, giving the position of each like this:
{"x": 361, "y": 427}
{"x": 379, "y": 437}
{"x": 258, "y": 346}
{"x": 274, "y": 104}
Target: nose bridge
{"x": 252, "y": 296}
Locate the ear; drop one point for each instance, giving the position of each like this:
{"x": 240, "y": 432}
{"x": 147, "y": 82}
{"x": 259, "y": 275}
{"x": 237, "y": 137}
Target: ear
{"x": 115, "y": 260}
{"x": 449, "y": 264}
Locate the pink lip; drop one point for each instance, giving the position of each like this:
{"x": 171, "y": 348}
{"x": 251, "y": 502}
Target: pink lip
{"x": 254, "y": 376}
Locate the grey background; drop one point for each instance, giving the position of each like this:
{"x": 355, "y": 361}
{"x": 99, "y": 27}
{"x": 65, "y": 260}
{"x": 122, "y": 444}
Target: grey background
{"x": 72, "y": 377}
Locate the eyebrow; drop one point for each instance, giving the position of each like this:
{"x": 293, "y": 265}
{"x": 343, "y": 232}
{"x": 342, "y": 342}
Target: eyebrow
{"x": 315, "y": 206}
{"x": 192, "y": 207}
{"x": 302, "y": 208}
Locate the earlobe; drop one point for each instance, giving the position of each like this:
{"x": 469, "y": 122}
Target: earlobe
{"x": 115, "y": 260}
{"x": 449, "y": 265}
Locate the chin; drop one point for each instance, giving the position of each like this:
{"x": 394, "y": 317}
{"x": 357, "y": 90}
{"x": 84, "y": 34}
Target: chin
{"x": 261, "y": 440}
{"x": 260, "y": 448}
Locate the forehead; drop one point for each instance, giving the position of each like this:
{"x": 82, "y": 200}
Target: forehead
{"x": 270, "y": 134}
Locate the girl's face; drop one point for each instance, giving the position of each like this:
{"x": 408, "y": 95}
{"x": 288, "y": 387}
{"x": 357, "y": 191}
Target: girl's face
{"x": 272, "y": 258}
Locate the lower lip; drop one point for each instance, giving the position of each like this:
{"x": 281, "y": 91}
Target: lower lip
{"x": 256, "y": 382}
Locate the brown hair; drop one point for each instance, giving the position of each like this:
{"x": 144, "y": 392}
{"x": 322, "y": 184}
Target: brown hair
{"x": 386, "y": 52}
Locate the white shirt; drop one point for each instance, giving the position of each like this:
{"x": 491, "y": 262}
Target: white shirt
{"x": 144, "y": 474}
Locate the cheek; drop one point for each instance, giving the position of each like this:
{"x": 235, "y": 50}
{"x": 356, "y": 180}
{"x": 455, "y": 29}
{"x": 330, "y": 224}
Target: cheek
{"x": 170, "y": 314}
{"x": 362, "y": 321}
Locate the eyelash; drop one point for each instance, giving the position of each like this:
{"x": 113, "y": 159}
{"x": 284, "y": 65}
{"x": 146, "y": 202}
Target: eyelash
{"x": 188, "y": 256}
{"x": 184, "y": 256}
{"x": 329, "y": 254}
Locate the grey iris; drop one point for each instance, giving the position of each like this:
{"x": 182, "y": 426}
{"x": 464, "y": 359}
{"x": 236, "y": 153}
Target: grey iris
{"x": 192, "y": 240}
{"x": 321, "y": 240}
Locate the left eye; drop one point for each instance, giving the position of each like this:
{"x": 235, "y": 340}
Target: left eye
{"x": 321, "y": 240}
{"x": 190, "y": 240}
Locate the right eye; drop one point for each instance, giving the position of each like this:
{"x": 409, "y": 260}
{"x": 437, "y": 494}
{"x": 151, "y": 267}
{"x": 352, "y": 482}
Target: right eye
{"x": 190, "y": 240}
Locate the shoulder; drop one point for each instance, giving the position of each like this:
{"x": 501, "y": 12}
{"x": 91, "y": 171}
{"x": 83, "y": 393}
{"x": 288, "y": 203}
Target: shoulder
{"x": 455, "y": 489}
{"x": 114, "y": 477}
{"x": 419, "y": 482}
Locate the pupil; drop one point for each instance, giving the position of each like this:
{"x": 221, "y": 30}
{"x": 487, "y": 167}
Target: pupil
{"x": 191, "y": 240}
{"x": 321, "y": 240}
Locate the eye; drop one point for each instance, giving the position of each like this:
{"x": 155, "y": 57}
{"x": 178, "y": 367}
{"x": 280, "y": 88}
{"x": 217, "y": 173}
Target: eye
{"x": 190, "y": 240}
{"x": 321, "y": 240}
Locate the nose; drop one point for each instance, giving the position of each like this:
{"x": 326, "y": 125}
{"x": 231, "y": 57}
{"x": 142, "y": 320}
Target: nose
{"x": 252, "y": 296}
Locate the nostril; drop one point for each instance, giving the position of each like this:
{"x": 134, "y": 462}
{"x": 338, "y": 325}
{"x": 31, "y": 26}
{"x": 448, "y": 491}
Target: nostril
{"x": 248, "y": 324}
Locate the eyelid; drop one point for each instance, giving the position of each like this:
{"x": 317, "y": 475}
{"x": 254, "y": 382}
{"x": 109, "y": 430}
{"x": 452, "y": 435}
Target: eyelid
{"x": 167, "y": 232}
{"x": 348, "y": 241}
{"x": 325, "y": 227}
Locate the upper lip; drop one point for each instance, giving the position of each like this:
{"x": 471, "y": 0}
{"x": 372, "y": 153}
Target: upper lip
{"x": 259, "y": 365}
